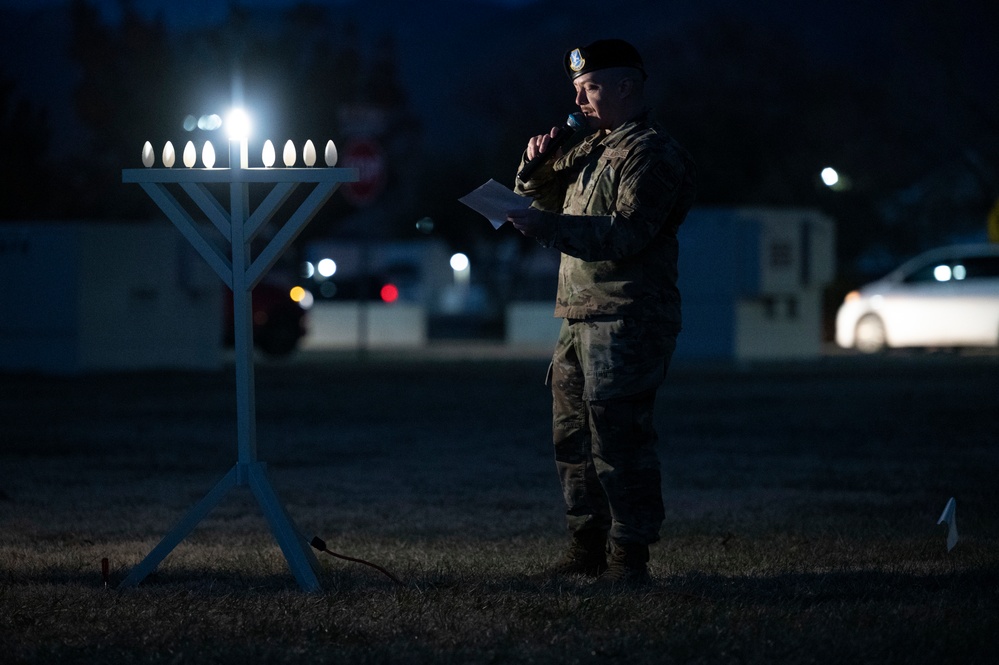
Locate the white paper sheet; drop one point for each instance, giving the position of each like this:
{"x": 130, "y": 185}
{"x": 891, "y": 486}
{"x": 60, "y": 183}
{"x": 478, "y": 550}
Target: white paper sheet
{"x": 492, "y": 200}
{"x": 949, "y": 516}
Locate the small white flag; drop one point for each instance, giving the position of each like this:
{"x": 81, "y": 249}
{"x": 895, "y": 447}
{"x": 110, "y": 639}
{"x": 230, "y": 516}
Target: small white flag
{"x": 950, "y": 517}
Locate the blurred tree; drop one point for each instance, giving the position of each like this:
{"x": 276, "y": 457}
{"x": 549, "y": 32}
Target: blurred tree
{"x": 140, "y": 83}
{"x": 24, "y": 174}
{"x": 127, "y": 94}
{"x": 763, "y": 117}
{"x": 944, "y": 90}
{"x": 761, "y": 112}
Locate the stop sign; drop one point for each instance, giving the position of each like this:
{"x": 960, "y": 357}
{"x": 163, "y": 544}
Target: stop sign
{"x": 367, "y": 158}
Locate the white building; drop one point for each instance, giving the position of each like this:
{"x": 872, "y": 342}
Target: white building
{"x": 752, "y": 282}
{"x": 88, "y": 296}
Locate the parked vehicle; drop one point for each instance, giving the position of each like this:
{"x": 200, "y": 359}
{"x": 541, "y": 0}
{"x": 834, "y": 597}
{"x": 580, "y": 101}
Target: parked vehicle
{"x": 946, "y": 297}
{"x": 279, "y": 322}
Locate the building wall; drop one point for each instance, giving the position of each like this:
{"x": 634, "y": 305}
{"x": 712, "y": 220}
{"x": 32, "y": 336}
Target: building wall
{"x": 353, "y": 324}
{"x": 751, "y": 280}
{"x": 89, "y": 296}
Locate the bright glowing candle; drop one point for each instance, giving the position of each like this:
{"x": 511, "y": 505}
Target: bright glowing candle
{"x": 309, "y": 153}
{"x": 289, "y": 153}
{"x": 147, "y": 154}
{"x": 330, "y": 154}
{"x": 238, "y": 125}
{"x": 208, "y": 155}
{"x": 169, "y": 155}
{"x": 190, "y": 155}
{"x": 268, "y": 155}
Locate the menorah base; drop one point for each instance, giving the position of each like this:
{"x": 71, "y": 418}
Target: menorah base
{"x": 302, "y": 561}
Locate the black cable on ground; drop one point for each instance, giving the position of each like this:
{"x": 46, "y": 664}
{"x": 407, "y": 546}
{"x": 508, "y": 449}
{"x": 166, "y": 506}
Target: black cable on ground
{"x": 320, "y": 545}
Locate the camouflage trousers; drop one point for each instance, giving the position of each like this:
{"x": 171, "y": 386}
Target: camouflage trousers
{"x": 604, "y": 378}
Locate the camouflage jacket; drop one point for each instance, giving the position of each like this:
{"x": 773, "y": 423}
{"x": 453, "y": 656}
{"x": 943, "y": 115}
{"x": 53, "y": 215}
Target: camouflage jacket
{"x": 616, "y": 201}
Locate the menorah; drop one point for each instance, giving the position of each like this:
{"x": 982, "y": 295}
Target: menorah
{"x": 241, "y": 272}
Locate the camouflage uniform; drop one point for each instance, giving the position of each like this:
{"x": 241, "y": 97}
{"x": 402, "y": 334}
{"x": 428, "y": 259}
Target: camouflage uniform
{"x": 615, "y": 201}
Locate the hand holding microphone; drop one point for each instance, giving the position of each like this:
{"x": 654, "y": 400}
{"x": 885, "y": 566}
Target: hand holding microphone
{"x": 543, "y": 151}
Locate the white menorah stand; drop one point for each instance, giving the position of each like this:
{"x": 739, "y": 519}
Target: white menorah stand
{"x": 241, "y": 272}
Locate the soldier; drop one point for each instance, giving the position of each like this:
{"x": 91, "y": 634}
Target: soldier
{"x": 611, "y": 205}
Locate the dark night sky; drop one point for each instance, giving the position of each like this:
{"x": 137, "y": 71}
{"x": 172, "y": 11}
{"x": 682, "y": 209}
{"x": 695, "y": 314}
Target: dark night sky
{"x": 184, "y": 14}
{"x": 441, "y": 44}
{"x": 435, "y": 36}
{"x": 826, "y": 25}
{"x": 448, "y": 51}
{"x": 857, "y": 34}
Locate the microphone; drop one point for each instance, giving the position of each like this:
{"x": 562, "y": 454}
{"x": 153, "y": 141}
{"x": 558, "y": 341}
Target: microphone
{"x": 572, "y": 123}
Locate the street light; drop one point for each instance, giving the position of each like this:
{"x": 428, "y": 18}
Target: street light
{"x": 829, "y": 176}
{"x": 462, "y": 268}
{"x": 834, "y": 180}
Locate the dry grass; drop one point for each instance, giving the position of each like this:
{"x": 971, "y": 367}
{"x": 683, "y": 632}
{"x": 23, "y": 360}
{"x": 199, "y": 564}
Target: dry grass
{"x": 801, "y": 501}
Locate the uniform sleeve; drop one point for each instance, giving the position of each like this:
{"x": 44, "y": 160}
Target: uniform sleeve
{"x": 648, "y": 189}
{"x": 545, "y": 187}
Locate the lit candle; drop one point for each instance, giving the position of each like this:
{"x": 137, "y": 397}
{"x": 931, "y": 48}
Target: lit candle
{"x": 237, "y": 124}
{"x": 147, "y": 154}
{"x": 268, "y": 156}
{"x": 208, "y": 155}
{"x": 169, "y": 155}
{"x": 190, "y": 155}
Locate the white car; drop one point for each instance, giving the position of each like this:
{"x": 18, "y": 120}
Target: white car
{"x": 946, "y": 297}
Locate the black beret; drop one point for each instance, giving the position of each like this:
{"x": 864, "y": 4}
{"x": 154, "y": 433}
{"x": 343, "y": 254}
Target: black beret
{"x": 602, "y": 54}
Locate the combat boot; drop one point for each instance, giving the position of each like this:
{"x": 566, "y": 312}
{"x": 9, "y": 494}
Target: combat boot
{"x": 626, "y": 567}
{"x": 586, "y": 555}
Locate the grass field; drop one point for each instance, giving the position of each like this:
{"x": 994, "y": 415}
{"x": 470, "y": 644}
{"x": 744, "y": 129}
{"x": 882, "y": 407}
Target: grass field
{"x": 802, "y": 502}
